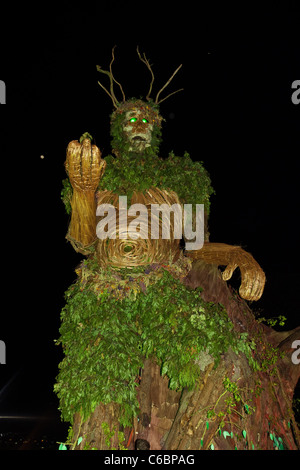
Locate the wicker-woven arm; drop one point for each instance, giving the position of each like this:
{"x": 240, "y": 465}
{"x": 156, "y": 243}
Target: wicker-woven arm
{"x": 221, "y": 254}
{"x": 84, "y": 167}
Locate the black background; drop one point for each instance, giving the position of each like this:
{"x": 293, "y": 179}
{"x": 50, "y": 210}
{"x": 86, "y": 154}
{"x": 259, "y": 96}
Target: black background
{"x": 235, "y": 115}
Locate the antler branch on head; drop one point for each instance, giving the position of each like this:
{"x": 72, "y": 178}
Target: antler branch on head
{"x": 112, "y": 80}
{"x": 146, "y": 61}
{"x": 113, "y": 58}
{"x": 170, "y": 79}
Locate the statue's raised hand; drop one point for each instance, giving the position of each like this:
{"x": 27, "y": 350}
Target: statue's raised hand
{"x": 84, "y": 165}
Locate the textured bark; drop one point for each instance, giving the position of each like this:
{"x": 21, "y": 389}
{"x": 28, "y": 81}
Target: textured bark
{"x": 158, "y": 406}
{"x": 179, "y": 420}
{"x": 91, "y": 431}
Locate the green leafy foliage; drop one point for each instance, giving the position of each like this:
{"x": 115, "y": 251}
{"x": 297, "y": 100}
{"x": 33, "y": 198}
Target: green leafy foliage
{"x": 277, "y": 442}
{"x": 62, "y": 447}
{"x": 137, "y": 172}
{"x": 280, "y": 321}
{"x": 105, "y": 341}
{"x": 66, "y": 195}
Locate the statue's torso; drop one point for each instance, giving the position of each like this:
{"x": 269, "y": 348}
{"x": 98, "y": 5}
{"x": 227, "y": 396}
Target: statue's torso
{"x": 144, "y": 250}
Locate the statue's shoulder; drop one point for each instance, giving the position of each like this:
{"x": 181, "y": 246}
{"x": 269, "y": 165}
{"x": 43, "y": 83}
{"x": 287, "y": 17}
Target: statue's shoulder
{"x": 188, "y": 178}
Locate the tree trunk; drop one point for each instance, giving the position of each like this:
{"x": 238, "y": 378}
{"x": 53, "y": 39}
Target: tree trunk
{"x": 232, "y": 406}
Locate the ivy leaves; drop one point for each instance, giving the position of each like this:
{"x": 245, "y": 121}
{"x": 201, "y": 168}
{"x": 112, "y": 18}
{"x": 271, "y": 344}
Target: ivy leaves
{"x": 134, "y": 172}
{"x": 106, "y": 340}
{"x": 188, "y": 179}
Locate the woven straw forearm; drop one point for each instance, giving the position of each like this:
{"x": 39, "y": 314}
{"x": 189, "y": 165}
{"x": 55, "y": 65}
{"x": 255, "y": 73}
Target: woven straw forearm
{"x": 82, "y": 227}
{"x": 221, "y": 254}
{"x": 85, "y": 168}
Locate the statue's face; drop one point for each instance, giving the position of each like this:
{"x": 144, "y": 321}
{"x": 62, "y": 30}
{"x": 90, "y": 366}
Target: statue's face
{"x": 138, "y": 129}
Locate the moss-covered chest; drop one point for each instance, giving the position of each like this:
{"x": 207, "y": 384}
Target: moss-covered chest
{"x": 134, "y": 172}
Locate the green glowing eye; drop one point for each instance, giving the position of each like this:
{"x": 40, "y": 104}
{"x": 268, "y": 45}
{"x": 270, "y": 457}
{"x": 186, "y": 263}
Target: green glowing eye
{"x": 145, "y": 120}
{"x": 133, "y": 119}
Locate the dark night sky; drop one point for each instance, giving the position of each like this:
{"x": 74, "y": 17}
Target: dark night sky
{"x": 235, "y": 115}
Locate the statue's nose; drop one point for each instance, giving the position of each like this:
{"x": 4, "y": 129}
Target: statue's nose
{"x": 140, "y": 125}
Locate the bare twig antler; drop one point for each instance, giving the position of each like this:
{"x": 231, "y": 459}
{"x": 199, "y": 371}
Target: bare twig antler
{"x": 146, "y": 61}
{"x": 112, "y": 80}
{"x": 113, "y": 58}
{"x": 170, "y": 79}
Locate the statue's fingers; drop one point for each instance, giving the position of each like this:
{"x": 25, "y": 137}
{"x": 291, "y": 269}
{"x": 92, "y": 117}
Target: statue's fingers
{"x": 259, "y": 285}
{"x": 227, "y": 273}
{"x": 97, "y": 166}
{"x": 258, "y": 282}
{"x": 245, "y": 289}
{"x": 91, "y": 165}
{"x": 248, "y": 280}
{"x": 97, "y": 163}
{"x": 73, "y": 162}
{"x": 73, "y": 157}
{"x": 86, "y": 166}
{"x": 252, "y": 286}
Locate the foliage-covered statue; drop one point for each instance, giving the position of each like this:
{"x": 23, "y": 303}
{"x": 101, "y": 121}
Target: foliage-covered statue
{"x": 159, "y": 352}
